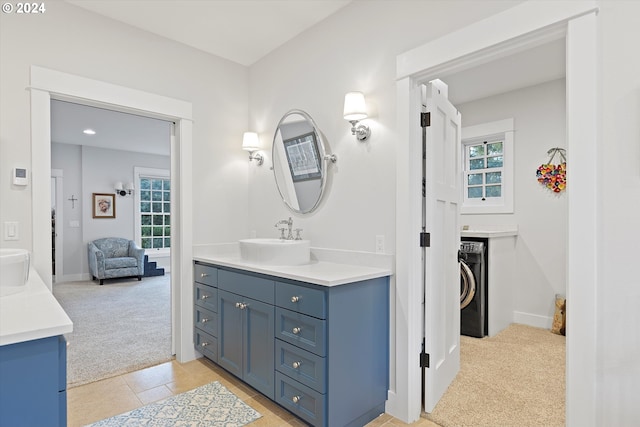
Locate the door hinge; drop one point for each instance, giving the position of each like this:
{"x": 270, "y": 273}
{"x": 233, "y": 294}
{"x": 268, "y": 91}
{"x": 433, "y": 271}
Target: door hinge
{"x": 425, "y": 120}
{"x": 425, "y": 240}
{"x": 424, "y": 359}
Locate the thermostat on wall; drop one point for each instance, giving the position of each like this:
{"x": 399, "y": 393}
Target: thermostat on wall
{"x": 20, "y": 176}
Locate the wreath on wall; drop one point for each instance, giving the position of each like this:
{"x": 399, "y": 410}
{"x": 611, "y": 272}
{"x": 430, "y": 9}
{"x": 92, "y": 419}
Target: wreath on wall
{"x": 551, "y": 175}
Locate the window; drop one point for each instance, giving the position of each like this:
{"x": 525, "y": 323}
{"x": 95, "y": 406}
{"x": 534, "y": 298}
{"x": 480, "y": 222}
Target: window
{"x": 488, "y": 168}
{"x": 153, "y": 227}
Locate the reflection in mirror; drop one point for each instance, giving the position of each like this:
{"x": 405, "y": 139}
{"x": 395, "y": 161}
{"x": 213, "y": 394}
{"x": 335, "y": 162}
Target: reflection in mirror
{"x": 299, "y": 163}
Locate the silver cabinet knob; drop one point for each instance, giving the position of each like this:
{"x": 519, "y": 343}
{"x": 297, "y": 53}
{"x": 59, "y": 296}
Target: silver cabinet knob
{"x": 204, "y": 320}
{"x": 296, "y": 330}
{"x": 203, "y": 297}
{"x": 204, "y": 275}
{"x": 296, "y": 365}
{"x": 204, "y": 344}
{"x": 237, "y": 305}
{"x": 295, "y": 298}
{"x": 296, "y": 399}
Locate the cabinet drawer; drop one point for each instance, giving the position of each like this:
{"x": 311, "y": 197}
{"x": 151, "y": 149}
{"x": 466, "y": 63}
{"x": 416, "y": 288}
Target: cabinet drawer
{"x": 301, "y": 330}
{"x": 206, "y": 344}
{"x": 304, "y": 367}
{"x": 205, "y": 274}
{"x": 206, "y": 296}
{"x": 304, "y": 402}
{"x": 300, "y": 298}
{"x": 206, "y": 320}
{"x": 254, "y": 287}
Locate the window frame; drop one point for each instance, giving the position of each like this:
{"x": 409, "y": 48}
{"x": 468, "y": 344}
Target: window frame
{"x": 491, "y": 132}
{"x": 147, "y": 173}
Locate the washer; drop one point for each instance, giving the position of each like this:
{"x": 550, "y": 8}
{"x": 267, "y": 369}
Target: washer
{"x": 473, "y": 289}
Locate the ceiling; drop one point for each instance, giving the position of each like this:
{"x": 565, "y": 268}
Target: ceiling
{"x": 244, "y": 31}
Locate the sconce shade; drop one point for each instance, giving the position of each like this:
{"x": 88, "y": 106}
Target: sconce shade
{"x": 119, "y": 186}
{"x": 250, "y": 141}
{"x": 354, "y": 106}
{"x": 130, "y": 187}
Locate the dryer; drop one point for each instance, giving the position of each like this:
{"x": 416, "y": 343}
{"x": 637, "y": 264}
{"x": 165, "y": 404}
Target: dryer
{"x": 473, "y": 289}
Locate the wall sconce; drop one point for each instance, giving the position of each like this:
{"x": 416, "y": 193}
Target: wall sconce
{"x": 251, "y": 143}
{"x": 122, "y": 190}
{"x": 355, "y": 109}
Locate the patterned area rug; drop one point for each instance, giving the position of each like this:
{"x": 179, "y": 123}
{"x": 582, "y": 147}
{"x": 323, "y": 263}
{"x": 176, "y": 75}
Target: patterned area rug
{"x": 211, "y": 405}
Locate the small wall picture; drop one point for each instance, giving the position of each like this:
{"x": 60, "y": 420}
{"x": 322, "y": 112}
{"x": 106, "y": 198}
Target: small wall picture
{"x": 104, "y": 205}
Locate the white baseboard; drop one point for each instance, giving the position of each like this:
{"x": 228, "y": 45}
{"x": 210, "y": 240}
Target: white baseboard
{"x": 82, "y": 277}
{"x": 534, "y": 320}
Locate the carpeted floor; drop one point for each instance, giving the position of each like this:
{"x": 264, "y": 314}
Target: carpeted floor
{"x": 122, "y": 326}
{"x": 516, "y": 378}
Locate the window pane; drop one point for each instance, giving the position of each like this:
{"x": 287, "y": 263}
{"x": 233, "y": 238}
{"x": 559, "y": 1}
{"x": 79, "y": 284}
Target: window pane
{"x": 156, "y": 196}
{"x": 476, "y": 164}
{"x": 146, "y": 243}
{"x": 494, "y": 190}
{"x": 145, "y": 231}
{"x": 157, "y": 207}
{"x": 167, "y": 231}
{"x": 145, "y": 207}
{"x": 157, "y": 231}
{"x": 475, "y": 192}
{"x": 145, "y": 196}
{"x": 494, "y": 177}
{"x": 145, "y": 220}
{"x": 157, "y": 242}
{"x": 157, "y": 220}
{"x": 494, "y": 162}
{"x": 166, "y": 185}
{"x": 167, "y": 207}
{"x": 166, "y": 196}
{"x": 167, "y": 243}
{"x": 474, "y": 179}
{"x": 145, "y": 184}
{"x": 476, "y": 150}
{"x": 156, "y": 184}
{"x": 494, "y": 148}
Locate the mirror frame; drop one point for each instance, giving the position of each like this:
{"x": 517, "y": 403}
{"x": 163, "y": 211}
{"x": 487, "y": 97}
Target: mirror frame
{"x": 322, "y": 150}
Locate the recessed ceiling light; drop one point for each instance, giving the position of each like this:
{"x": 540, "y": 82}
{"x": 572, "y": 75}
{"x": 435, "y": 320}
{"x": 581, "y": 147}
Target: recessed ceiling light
{"x": 89, "y": 131}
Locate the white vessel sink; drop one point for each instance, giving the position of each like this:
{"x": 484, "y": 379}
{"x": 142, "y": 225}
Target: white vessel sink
{"x": 14, "y": 270}
{"x": 275, "y": 251}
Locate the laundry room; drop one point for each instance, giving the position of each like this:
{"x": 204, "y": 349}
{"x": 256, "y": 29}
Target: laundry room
{"x": 520, "y": 214}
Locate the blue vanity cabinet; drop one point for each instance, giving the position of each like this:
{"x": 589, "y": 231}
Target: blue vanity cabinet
{"x": 246, "y": 328}
{"x": 33, "y": 383}
{"x": 332, "y": 351}
{"x": 205, "y": 310}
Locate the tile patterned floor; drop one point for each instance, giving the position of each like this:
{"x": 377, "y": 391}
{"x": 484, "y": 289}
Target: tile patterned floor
{"x": 92, "y": 402}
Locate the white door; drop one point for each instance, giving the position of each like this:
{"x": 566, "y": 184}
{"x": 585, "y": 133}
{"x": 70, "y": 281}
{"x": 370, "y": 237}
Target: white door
{"x": 441, "y": 209}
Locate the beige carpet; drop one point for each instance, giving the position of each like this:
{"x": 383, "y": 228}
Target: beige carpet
{"x": 515, "y": 379}
{"x": 119, "y": 327}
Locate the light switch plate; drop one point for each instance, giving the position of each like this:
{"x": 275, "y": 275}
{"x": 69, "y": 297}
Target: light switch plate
{"x": 11, "y": 230}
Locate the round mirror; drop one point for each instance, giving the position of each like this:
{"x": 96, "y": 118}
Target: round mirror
{"x": 300, "y": 161}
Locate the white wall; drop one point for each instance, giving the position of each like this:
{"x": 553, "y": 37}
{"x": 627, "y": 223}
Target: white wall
{"x": 541, "y": 215}
{"x": 90, "y": 170}
{"x": 619, "y": 283}
{"x": 72, "y": 40}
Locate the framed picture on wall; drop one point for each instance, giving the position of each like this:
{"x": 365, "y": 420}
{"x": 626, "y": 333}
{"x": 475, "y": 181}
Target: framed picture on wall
{"x": 104, "y": 205}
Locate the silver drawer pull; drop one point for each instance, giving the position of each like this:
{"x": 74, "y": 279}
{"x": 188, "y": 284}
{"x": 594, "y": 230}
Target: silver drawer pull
{"x": 296, "y": 399}
{"x": 296, "y": 365}
{"x": 204, "y": 275}
{"x": 204, "y": 320}
{"x": 204, "y": 297}
{"x": 296, "y": 330}
{"x": 204, "y": 344}
{"x": 295, "y": 298}
{"x": 241, "y": 305}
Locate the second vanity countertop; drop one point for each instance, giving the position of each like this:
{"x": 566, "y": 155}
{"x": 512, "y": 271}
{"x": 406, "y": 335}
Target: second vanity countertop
{"x": 322, "y": 270}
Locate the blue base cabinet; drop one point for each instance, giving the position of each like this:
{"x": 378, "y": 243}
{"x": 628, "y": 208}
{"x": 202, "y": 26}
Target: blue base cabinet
{"x": 33, "y": 383}
{"x": 320, "y": 352}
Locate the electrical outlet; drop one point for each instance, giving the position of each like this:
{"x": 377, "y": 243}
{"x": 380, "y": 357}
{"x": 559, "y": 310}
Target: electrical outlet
{"x": 379, "y": 244}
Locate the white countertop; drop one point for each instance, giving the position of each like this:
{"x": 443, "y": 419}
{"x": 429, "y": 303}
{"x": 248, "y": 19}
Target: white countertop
{"x": 489, "y": 231}
{"x": 320, "y": 271}
{"x": 32, "y": 314}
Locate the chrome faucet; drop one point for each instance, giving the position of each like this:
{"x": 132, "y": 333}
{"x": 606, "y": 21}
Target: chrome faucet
{"x": 289, "y": 223}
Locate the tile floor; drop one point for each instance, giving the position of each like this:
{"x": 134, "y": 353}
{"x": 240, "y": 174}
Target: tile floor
{"x": 102, "y": 399}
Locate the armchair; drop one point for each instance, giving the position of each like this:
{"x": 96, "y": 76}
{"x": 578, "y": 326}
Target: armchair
{"x": 114, "y": 257}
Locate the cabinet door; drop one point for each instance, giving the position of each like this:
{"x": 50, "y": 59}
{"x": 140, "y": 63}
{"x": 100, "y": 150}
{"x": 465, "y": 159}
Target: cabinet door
{"x": 258, "y": 329}
{"x": 230, "y": 332}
